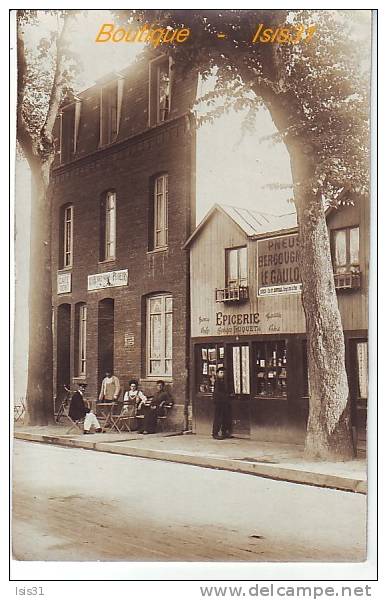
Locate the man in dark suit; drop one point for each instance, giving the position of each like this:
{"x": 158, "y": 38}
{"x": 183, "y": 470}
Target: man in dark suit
{"x": 222, "y": 408}
{"x": 79, "y": 410}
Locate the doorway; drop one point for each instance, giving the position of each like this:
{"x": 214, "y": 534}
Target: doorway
{"x": 239, "y": 385}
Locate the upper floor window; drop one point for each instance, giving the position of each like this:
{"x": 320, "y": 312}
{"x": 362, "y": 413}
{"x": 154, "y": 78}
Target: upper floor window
{"x": 68, "y": 214}
{"x": 159, "y": 335}
{"x": 159, "y": 90}
{"x": 69, "y": 127}
{"x": 108, "y": 226}
{"x": 345, "y": 250}
{"x": 236, "y": 267}
{"x": 110, "y": 111}
{"x": 160, "y": 212}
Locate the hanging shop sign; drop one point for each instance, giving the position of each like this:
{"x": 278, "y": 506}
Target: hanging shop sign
{"x": 63, "y": 283}
{"x": 107, "y": 280}
{"x": 278, "y": 266}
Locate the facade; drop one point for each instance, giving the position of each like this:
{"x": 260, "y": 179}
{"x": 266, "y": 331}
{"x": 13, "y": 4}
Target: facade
{"x": 246, "y": 314}
{"x": 123, "y": 206}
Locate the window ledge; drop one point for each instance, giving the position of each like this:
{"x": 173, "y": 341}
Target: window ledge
{"x": 157, "y": 250}
{"x": 66, "y": 269}
{"x": 107, "y": 261}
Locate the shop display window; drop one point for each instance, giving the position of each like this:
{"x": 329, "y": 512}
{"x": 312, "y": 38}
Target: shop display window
{"x": 209, "y": 358}
{"x": 271, "y": 369}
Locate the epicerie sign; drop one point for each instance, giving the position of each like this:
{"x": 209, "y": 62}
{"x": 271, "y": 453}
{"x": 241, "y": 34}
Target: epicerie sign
{"x": 63, "y": 283}
{"x": 109, "y": 279}
{"x": 278, "y": 266}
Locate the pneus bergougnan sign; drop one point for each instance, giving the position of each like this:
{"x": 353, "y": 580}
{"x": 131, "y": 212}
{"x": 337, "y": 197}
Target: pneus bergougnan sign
{"x": 278, "y": 266}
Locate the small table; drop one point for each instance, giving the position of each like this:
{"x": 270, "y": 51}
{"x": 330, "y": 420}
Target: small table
{"x": 106, "y": 409}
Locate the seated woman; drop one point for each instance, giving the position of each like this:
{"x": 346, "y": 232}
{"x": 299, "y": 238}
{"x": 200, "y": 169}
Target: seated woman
{"x": 156, "y": 407}
{"x": 134, "y": 397}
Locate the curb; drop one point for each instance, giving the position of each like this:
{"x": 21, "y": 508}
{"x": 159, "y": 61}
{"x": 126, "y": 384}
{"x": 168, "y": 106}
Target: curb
{"x": 249, "y": 468}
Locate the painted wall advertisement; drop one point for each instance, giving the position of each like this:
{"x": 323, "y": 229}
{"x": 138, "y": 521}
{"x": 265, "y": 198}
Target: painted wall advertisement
{"x": 278, "y": 266}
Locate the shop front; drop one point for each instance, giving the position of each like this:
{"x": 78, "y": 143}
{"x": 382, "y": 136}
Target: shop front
{"x": 247, "y": 316}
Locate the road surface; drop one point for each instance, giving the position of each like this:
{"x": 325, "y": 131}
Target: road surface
{"x": 75, "y": 504}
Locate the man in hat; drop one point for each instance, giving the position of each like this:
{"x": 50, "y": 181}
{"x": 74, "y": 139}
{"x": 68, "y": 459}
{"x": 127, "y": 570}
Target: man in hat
{"x": 110, "y": 388}
{"x": 79, "y": 409}
{"x": 222, "y": 408}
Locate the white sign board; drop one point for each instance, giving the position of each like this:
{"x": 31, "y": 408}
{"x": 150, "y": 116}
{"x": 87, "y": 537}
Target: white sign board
{"x": 107, "y": 280}
{"x": 64, "y": 283}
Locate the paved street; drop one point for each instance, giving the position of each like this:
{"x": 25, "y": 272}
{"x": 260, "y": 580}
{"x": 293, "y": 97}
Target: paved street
{"x": 73, "y": 504}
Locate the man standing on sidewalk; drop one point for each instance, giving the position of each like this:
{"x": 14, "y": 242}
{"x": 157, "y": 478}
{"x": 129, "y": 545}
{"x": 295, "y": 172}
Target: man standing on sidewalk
{"x": 110, "y": 388}
{"x": 222, "y": 408}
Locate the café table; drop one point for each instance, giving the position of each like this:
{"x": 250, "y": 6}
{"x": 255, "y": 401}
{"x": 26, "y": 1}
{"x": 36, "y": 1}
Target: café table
{"x": 105, "y": 412}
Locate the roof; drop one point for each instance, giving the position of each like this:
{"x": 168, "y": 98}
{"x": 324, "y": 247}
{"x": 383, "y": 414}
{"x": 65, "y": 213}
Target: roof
{"x": 251, "y": 222}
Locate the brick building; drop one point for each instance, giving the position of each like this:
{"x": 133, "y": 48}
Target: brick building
{"x": 123, "y": 206}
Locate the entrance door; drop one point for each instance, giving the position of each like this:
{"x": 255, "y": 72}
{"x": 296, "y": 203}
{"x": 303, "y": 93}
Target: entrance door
{"x": 239, "y": 386}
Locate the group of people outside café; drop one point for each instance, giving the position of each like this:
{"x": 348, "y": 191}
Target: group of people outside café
{"x": 144, "y": 410}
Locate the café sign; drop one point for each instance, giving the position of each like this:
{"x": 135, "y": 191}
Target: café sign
{"x": 107, "y": 280}
{"x": 278, "y": 266}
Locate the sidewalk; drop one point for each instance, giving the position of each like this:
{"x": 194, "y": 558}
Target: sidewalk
{"x": 266, "y": 459}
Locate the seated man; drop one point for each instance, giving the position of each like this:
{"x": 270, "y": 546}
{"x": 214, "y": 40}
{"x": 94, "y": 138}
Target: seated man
{"x": 79, "y": 409}
{"x": 156, "y": 407}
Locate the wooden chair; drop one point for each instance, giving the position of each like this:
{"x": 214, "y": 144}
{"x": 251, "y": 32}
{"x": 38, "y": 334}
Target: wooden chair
{"x": 121, "y": 420}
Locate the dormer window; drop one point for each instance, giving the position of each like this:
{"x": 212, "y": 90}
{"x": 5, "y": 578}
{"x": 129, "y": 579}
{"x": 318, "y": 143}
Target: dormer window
{"x": 110, "y": 111}
{"x": 69, "y": 127}
{"x": 159, "y": 90}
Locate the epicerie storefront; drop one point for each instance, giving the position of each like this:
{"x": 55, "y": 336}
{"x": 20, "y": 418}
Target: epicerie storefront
{"x": 247, "y": 316}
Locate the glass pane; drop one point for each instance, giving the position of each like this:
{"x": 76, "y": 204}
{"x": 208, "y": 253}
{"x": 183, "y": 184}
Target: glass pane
{"x": 168, "y": 335}
{"x": 232, "y": 267}
{"x": 155, "y": 367}
{"x": 340, "y": 248}
{"x": 155, "y": 305}
{"x": 354, "y": 245}
{"x": 245, "y": 370}
{"x": 155, "y": 341}
{"x": 362, "y": 366}
{"x": 168, "y": 304}
{"x": 236, "y": 369}
{"x": 168, "y": 367}
{"x": 243, "y": 266}
{"x": 159, "y": 185}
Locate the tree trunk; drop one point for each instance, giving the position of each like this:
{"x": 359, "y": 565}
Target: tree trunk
{"x": 329, "y": 432}
{"x": 40, "y": 405}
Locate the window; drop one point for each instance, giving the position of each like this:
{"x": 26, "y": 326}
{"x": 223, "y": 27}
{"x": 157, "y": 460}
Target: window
{"x": 159, "y": 90}
{"x": 159, "y": 336}
{"x": 108, "y": 227}
{"x": 80, "y": 339}
{"x": 110, "y": 111}
{"x": 236, "y": 267}
{"x": 160, "y": 212}
{"x": 362, "y": 369}
{"x": 69, "y": 127}
{"x": 345, "y": 250}
{"x": 68, "y": 236}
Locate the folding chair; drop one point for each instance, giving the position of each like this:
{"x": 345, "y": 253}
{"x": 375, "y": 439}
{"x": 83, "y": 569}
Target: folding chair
{"x": 78, "y": 425}
{"x": 19, "y": 410}
{"x": 121, "y": 420}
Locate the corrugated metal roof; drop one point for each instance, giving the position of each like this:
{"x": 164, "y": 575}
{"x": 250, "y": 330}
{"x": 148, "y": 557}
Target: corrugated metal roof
{"x": 255, "y": 222}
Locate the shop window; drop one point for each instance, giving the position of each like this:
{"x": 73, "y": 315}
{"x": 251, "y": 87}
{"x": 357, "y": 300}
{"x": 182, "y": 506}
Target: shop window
{"x": 271, "y": 370}
{"x": 108, "y": 227}
{"x": 80, "y": 339}
{"x": 160, "y": 213}
{"x": 110, "y": 111}
{"x": 159, "y": 335}
{"x": 159, "y": 90}
{"x": 209, "y": 358}
{"x": 362, "y": 370}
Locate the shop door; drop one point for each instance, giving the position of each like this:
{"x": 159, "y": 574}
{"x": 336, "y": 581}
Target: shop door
{"x": 239, "y": 386}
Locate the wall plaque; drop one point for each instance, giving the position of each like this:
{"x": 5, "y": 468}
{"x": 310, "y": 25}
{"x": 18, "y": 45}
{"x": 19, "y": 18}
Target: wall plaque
{"x": 107, "y": 280}
{"x": 63, "y": 283}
